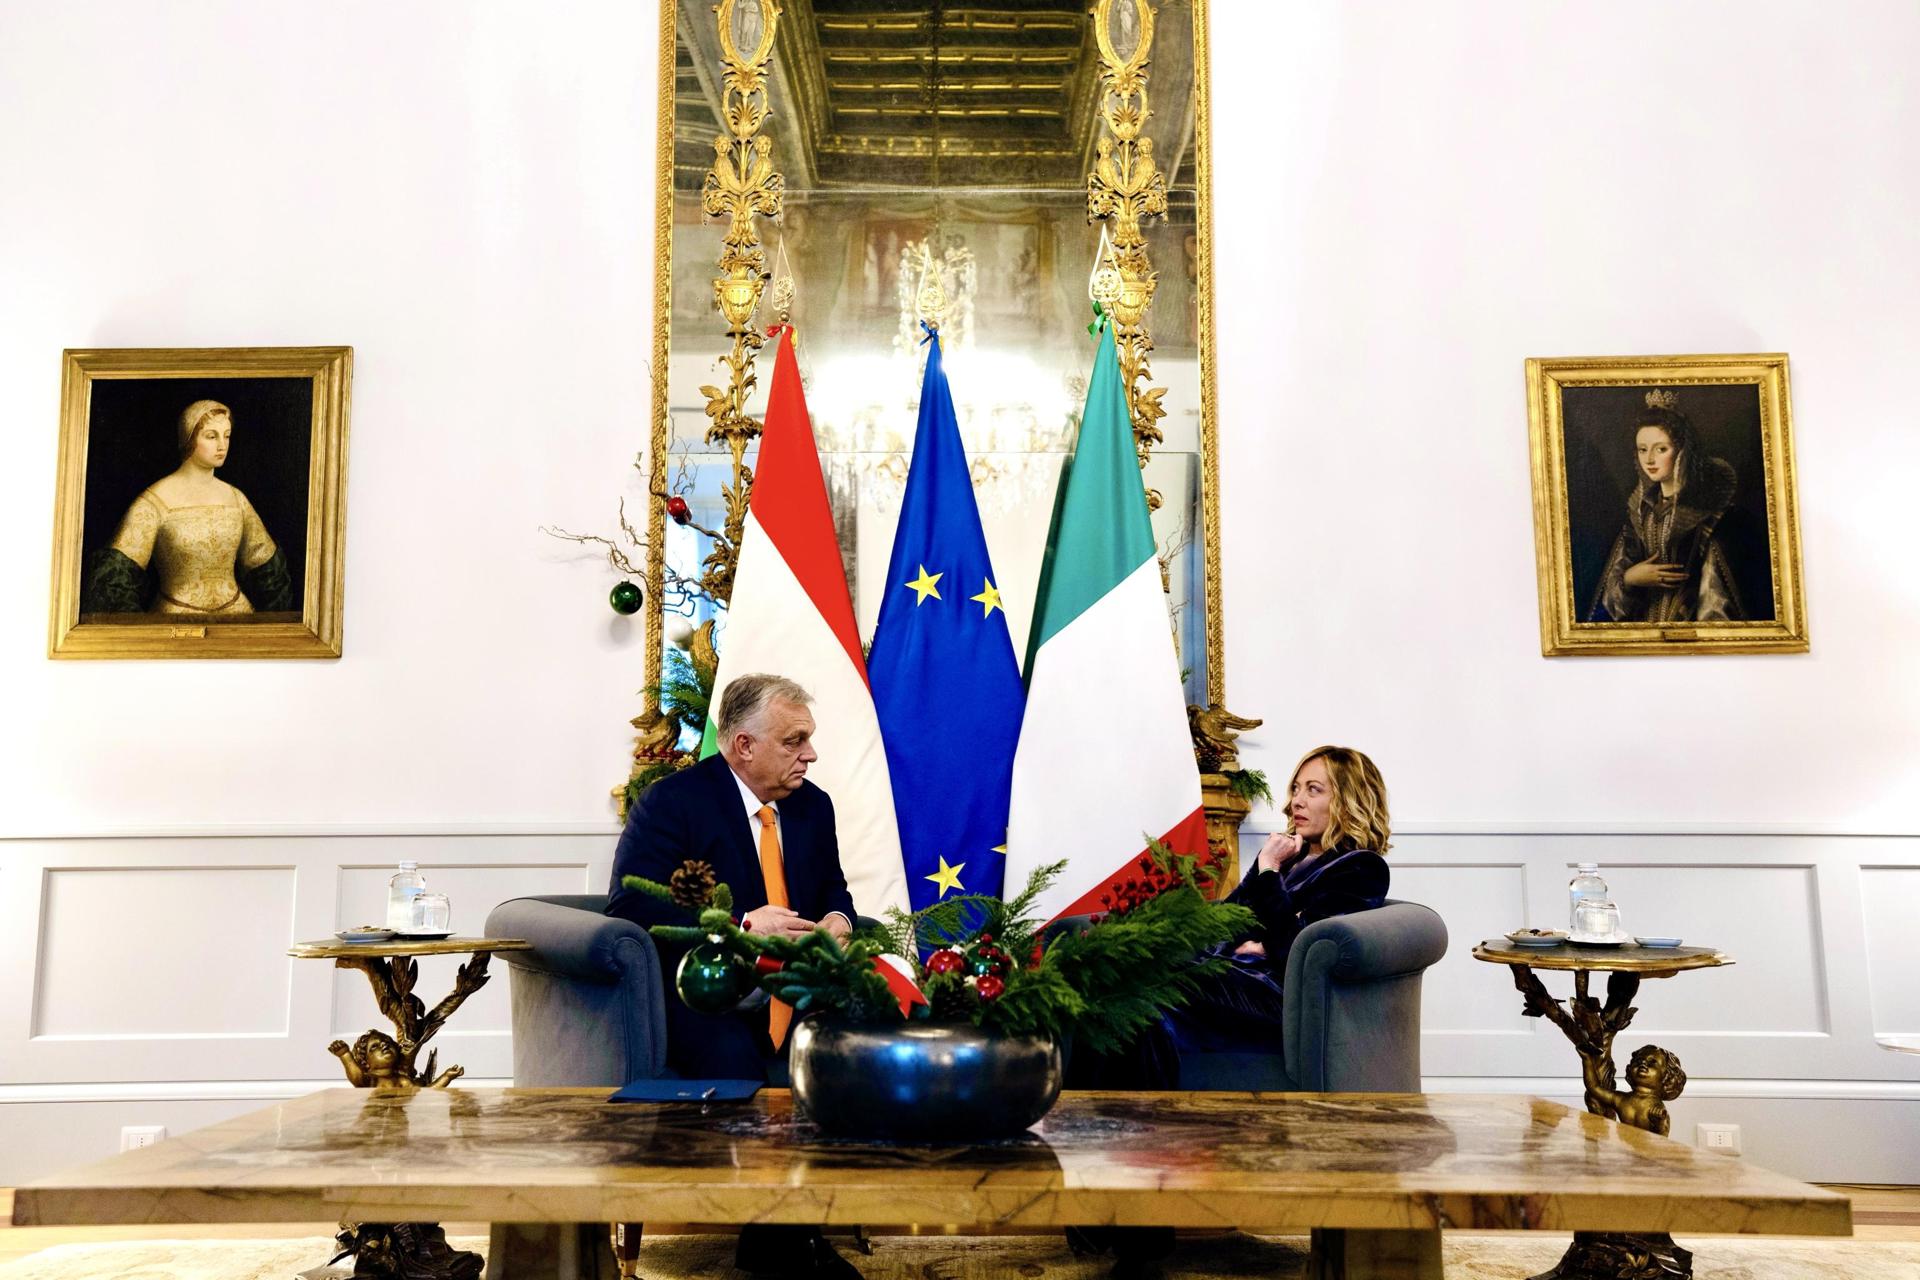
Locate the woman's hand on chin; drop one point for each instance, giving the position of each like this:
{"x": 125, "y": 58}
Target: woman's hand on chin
{"x": 1250, "y": 948}
{"x": 1279, "y": 847}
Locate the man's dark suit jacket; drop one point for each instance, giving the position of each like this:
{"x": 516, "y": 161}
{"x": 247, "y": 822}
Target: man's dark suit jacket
{"x": 698, "y": 814}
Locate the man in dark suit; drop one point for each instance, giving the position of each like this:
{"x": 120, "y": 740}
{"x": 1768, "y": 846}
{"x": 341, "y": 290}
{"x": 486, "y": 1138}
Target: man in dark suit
{"x": 768, "y": 833}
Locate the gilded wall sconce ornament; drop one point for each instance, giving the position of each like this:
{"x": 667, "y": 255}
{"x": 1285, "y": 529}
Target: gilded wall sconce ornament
{"x": 742, "y": 187}
{"x": 1125, "y": 190}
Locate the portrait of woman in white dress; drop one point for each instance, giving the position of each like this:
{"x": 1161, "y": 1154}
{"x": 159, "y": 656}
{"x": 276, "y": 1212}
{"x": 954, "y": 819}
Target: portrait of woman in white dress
{"x": 191, "y": 543}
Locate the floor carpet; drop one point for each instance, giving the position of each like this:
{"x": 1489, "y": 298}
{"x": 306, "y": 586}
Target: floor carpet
{"x": 1232, "y": 1257}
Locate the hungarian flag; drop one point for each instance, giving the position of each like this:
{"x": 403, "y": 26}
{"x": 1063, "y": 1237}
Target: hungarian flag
{"x": 791, "y": 615}
{"x": 1105, "y": 757}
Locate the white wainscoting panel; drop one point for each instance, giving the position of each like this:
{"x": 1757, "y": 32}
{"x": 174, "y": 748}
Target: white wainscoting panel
{"x": 118, "y": 946}
{"x": 1818, "y": 925}
{"x": 1890, "y": 901}
{"x": 112, "y": 987}
{"x": 1476, "y": 900}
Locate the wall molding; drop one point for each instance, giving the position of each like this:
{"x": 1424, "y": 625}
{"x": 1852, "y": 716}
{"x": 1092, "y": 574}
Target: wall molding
{"x": 422, "y": 829}
{"x": 610, "y": 827}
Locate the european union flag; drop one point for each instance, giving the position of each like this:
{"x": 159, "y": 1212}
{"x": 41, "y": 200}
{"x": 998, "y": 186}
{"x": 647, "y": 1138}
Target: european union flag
{"x": 945, "y": 682}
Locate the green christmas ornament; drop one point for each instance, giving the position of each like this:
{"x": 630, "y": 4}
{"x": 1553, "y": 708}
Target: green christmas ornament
{"x": 713, "y": 979}
{"x": 625, "y": 597}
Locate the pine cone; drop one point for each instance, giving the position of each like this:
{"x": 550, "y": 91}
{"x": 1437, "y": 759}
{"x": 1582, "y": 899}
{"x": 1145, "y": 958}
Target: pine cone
{"x": 692, "y": 885}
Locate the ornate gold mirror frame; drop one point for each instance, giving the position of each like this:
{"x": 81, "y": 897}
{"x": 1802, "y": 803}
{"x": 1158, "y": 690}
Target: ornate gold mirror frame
{"x": 744, "y": 190}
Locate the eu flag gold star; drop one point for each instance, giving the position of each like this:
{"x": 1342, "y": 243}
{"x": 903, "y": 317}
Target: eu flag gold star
{"x": 989, "y": 597}
{"x": 948, "y": 878}
{"x": 923, "y": 585}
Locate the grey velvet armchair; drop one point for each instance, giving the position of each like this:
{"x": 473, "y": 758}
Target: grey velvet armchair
{"x": 1352, "y": 1017}
{"x": 588, "y": 1001}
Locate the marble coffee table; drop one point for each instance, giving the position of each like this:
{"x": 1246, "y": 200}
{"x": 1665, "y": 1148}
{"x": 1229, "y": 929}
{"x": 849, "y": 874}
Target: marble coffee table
{"x": 1374, "y": 1177}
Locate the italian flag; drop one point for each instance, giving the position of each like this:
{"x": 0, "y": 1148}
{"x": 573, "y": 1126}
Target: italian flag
{"x": 791, "y": 615}
{"x": 1105, "y": 757}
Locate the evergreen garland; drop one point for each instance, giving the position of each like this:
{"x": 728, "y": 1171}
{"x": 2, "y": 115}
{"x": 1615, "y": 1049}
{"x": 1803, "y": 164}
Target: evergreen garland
{"x": 1101, "y": 980}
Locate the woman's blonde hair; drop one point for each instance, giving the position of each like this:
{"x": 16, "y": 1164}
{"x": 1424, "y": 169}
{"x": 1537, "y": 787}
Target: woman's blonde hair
{"x": 1357, "y": 810}
{"x": 194, "y": 416}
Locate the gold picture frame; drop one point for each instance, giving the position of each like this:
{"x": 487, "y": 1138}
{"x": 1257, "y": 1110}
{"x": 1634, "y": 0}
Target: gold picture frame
{"x": 135, "y": 514}
{"x": 1664, "y": 508}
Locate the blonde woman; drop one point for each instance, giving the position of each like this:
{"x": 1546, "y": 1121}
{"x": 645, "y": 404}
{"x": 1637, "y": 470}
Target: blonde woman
{"x": 1327, "y": 863}
{"x": 1329, "y": 860}
{"x": 196, "y": 534}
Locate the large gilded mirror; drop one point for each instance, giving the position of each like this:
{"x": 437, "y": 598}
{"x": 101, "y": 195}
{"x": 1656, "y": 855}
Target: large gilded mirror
{"x": 886, "y": 146}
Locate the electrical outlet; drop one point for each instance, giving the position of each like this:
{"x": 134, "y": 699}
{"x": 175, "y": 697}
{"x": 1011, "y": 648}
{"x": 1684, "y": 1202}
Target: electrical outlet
{"x": 1723, "y": 1138}
{"x": 135, "y": 1136}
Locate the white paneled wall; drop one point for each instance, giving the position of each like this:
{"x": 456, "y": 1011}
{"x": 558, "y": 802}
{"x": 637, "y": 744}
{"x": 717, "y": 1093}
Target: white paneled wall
{"x": 153, "y": 980}
{"x": 151, "y": 974}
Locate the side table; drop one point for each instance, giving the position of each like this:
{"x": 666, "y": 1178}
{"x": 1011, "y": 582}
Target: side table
{"x": 377, "y": 1059}
{"x": 1654, "y": 1076}
{"x": 404, "y": 1250}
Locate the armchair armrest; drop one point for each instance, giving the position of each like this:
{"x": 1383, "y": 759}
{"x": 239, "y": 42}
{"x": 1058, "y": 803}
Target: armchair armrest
{"x": 589, "y": 1004}
{"x": 572, "y": 940}
{"x": 1353, "y": 998}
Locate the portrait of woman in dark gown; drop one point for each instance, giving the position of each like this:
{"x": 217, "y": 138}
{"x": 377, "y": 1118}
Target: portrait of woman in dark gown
{"x": 1669, "y": 563}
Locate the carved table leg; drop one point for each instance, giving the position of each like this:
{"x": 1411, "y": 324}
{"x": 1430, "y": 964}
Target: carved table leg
{"x": 378, "y": 1059}
{"x": 1345, "y": 1254}
{"x": 406, "y": 1251}
{"x": 1610, "y": 1256}
{"x": 1654, "y": 1078}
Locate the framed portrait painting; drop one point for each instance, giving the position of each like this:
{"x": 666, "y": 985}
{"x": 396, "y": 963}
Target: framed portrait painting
{"x": 200, "y": 508}
{"x": 1664, "y": 513}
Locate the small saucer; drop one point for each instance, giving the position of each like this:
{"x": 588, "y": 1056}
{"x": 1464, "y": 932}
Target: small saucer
{"x": 1660, "y": 943}
{"x": 364, "y": 935}
{"x": 1536, "y": 944}
{"x": 1537, "y": 938}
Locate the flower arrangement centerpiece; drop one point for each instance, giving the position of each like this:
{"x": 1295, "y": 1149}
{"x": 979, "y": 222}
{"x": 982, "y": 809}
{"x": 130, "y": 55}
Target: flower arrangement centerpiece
{"x": 948, "y": 1022}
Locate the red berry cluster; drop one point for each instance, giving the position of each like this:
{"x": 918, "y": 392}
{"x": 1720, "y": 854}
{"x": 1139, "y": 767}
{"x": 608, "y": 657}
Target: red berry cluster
{"x": 1153, "y": 881}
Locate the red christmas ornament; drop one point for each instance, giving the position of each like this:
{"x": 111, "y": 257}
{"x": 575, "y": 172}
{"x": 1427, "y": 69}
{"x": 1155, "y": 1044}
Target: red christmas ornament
{"x": 677, "y": 508}
{"x": 990, "y": 987}
{"x": 945, "y": 962}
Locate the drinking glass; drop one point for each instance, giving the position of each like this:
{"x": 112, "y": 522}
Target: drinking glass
{"x": 431, "y": 914}
{"x": 1599, "y": 919}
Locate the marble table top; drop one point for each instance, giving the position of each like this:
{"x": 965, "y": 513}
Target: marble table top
{"x": 1646, "y": 961}
{"x": 1256, "y": 1161}
{"x": 335, "y": 948}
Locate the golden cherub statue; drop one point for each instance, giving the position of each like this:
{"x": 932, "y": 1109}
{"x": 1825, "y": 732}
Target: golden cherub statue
{"x": 1654, "y": 1078}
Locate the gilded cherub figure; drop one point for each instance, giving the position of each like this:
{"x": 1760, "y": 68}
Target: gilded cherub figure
{"x": 374, "y": 1061}
{"x": 1654, "y": 1078}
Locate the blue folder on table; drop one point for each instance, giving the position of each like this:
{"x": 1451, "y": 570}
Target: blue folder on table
{"x": 671, "y": 1090}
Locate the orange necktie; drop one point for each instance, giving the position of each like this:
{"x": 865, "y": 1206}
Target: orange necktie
{"x": 773, "y": 869}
